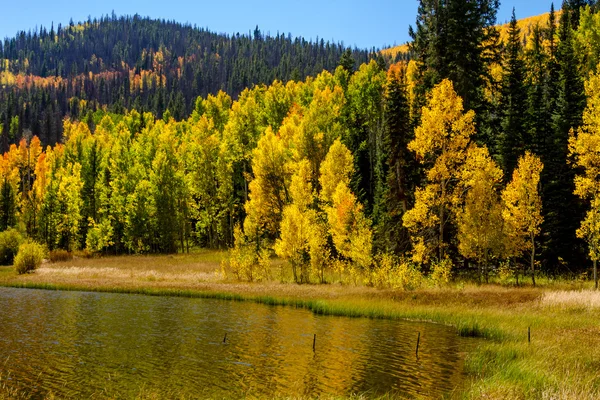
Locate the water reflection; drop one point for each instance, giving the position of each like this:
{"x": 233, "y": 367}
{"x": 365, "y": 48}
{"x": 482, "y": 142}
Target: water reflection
{"x": 79, "y": 344}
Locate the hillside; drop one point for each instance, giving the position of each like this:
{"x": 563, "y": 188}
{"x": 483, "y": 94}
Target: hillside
{"x": 526, "y": 26}
{"x": 135, "y": 62}
{"x": 393, "y": 51}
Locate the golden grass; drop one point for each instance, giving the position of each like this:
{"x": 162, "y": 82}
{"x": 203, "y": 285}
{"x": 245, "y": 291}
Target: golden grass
{"x": 585, "y": 299}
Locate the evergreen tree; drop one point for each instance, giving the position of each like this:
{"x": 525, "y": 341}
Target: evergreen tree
{"x": 454, "y": 40}
{"x": 8, "y": 206}
{"x": 347, "y": 61}
{"x": 562, "y": 211}
{"x": 400, "y": 167}
{"x": 574, "y": 9}
{"x": 513, "y": 103}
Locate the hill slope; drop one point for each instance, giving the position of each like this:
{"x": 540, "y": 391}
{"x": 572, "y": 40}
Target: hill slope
{"x": 525, "y": 24}
{"x": 134, "y": 62}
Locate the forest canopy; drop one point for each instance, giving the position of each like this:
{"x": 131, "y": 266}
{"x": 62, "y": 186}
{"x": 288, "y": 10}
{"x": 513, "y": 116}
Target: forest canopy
{"x": 475, "y": 154}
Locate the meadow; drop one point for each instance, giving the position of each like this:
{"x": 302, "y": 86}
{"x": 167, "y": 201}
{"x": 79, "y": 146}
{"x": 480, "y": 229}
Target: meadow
{"x": 561, "y": 360}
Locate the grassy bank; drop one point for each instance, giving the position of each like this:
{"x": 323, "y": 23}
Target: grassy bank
{"x": 562, "y": 360}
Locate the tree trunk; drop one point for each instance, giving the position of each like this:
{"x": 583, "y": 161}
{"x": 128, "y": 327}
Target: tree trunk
{"x": 294, "y": 272}
{"x": 441, "y": 238}
{"x": 533, "y": 260}
{"x": 485, "y": 268}
{"x": 595, "y": 274}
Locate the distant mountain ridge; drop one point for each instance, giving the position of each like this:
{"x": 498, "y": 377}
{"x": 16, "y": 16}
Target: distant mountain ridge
{"x": 134, "y": 62}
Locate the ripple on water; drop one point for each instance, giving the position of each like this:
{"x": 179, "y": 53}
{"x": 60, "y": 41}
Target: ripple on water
{"x": 76, "y": 344}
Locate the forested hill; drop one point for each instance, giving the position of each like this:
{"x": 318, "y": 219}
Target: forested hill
{"x": 141, "y": 63}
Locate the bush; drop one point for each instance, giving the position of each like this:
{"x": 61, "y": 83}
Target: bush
{"x": 441, "y": 272}
{"x": 85, "y": 253}
{"x": 60, "y": 255}
{"x": 29, "y": 257}
{"x": 243, "y": 263}
{"x": 10, "y": 240}
{"x": 393, "y": 272}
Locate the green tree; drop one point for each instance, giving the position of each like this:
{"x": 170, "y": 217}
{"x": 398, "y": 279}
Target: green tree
{"x": 365, "y": 138}
{"x": 400, "y": 167}
{"x": 513, "y": 103}
{"x": 455, "y": 40}
{"x": 347, "y": 61}
{"x": 560, "y": 221}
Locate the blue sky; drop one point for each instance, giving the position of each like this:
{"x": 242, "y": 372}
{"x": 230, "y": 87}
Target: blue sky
{"x": 364, "y": 23}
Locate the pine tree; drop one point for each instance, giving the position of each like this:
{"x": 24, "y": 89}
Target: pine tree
{"x": 513, "y": 103}
{"x": 400, "y": 167}
{"x": 561, "y": 208}
{"x": 538, "y": 116}
{"x": 454, "y": 40}
{"x": 347, "y": 61}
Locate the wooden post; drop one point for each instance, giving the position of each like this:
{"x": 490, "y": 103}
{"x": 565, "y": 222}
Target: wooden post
{"x": 529, "y": 334}
{"x": 225, "y": 338}
{"x": 418, "y": 340}
{"x": 314, "y": 342}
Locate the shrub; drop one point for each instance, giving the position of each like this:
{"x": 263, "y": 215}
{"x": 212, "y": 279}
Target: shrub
{"x": 29, "y": 257}
{"x": 441, "y": 272}
{"x": 408, "y": 275}
{"x": 381, "y": 275}
{"x": 60, "y": 255}
{"x": 243, "y": 263}
{"x": 394, "y": 272}
{"x": 10, "y": 240}
{"x": 85, "y": 253}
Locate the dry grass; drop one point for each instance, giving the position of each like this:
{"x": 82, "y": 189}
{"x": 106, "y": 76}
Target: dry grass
{"x": 200, "y": 272}
{"x": 60, "y": 255}
{"x": 582, "y": 299}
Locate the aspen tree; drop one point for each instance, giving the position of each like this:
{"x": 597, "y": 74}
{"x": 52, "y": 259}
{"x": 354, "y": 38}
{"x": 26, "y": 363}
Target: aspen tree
{"x": 584, "y": 149}
{"x": 522, "y": 211}
{"x": 441, "y": 143}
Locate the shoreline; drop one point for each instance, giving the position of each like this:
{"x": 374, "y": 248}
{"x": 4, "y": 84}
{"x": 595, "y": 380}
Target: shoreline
{"x": 560, "y": 361}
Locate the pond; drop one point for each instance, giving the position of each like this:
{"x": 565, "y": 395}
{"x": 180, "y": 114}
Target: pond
{"x": 79, "y": 344}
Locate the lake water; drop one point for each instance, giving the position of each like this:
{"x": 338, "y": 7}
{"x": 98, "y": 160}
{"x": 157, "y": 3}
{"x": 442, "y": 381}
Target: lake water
{"x": 79, "y": 344}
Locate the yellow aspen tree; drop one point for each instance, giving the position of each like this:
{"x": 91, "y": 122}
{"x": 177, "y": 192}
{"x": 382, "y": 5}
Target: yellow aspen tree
{"x": 336, "y": 168}
{"x": 70, "y": 204}
{"x": 349, "y": 228}
{"x": 269, "y": 188}
{"x": 440, "y": 141}
{"x": 321, "y": 125}
{"x": 296, "y": 225}
{"x": 479, "y": 217}
{"x": 522, "y": 212}
{"x": 584, "y": 149}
